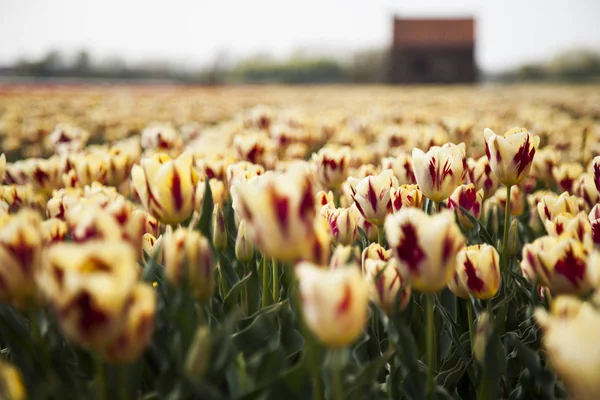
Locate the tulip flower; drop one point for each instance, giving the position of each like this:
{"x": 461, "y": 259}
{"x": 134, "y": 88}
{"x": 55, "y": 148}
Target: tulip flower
{"x": 159, "y": 138}
{"x": 594, "y": 218}
{"x": 11, "y": 382}
{"x": 150, "y": 244}
{"x": 127, "y": 345}
{"x": 219, "y": 230}
{"x": 480, "y": 174}
{"x": 331, "y": 166}
{"x": 530, "y": 264}
{"x": 335, "y": 303}
{"x": 320, "y": 246}
{"x": 44, "y": 175}
{"x": 478, "y": 268}
{"x": 20, "y": 255}
{"x": 467, "y": 197}
{"x": 425, "y": 246}
{"x": 439, "y": 171}
{"x": 552, "y": 205}
{"x": 585, "y": 188}
{"x": 510, "y": 155}
{"x": 596, "y": 172}
{"x": 244, "y": 244}
{"x": 572, "y": 349}
{"x": 243, "y": 170}
{"x": 565, "y": 175}
{"x": 535, "y": 222}
{"x": 374, "y": 252}
{"x": 323, "y": 198}
{"x": 85, "y": 169}
{"x": 343, "y": 223}
{"x": 53, "y": 230}
{"x": 483, "y": 331}
{"x": 186, "y": 251}
{"x": 89, "y": 286}
{"x": 402, "y": 167}
{"x": 254, "y": 148}
{"x": 166, "y": 187}
{"x": 2, "y": 166}
{"x": 372, "y": 195}
{"x": 406, "y": 196}
{"x": 344, "y": 256}
{"x": 563, "y": 266}
{"x": 280, "y": 209}
{"x": 385, "y": 283}
{"x": 457, "y": 288}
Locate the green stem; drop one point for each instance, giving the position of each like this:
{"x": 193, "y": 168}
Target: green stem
{"x": 124, "y": 383}
{"x": 100, "y": 382}
{"x": 37, "y": 335}
{"x": 430, "y": 326}
{"x": 275, "y": 281}
{"x": 314, "y": 367}
{"x": 337, "y": 371}
{"x": 380, "y": 235}
{"x": 506, "y": 228}
{"x": 429, "y": 206}
{"x": 336, "y": 198}
{"x": 265, "y": 282}
{"x": 470, "y": 318}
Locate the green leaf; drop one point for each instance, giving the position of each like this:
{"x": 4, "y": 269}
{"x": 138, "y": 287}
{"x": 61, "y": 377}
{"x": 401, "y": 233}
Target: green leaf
{"x": 480, "y": 229}
{"x": 230, "y": 301}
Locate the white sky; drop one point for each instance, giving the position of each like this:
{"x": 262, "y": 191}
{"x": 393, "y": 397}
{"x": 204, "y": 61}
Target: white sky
{"x": 509, "y": 32}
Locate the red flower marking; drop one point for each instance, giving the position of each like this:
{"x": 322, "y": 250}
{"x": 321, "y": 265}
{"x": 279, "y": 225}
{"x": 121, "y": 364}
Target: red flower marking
{"x": 371, "y": 195}
{"x": 176, "y": 190}
{"x": 524, "y": 156}
{"x": 335, "y": 229}
{"x": 547, "y": 211}
{"x": 397, "y": 201}
{"x": 40, "y": 176}
{"x": 254, "y": 154}
{"x": 381, "y": 254}
{"x": 330, "y": 163}
{"x": 307, "y": 204}
{"x": 597, "y": 176}
{"x": 474, "y": 283}
{"x": 282, "y": 209}
{"x": 447, "y": 248}
{"x": 360, "y": 209}
{"x": 380, "y": 284}
{"x": 91, "y": 319}
{"x": 408, "y": 250}
{"x": 571, "y": 267}
{"x": 566, "y": 184}
{"x": 410, "y": 175}
{"x": 487, "y": 151}
{"x": 559, "y": 228}
{"x": 22, "y": 253}
{"x": 344, "y": 305}
{"x": 596, "y": 232}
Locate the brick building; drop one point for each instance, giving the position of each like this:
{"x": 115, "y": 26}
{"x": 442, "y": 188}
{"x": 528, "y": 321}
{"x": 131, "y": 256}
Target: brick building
{"x": 433, "y": 51}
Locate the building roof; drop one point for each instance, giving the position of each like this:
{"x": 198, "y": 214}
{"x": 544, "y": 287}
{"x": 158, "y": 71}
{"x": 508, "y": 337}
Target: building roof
{"x": 433, "y": 32}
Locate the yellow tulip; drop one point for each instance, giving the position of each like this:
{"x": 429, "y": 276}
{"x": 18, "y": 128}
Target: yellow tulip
{"x": 402, "y": 167}
{"x": 425, "y": 246}
{"x": 331, "y": 165}
{"x": 467, "y": 197}
{"x": 478, "y": 268}
{"x": 385, "y": 283}
{"x": 510, "y": 155}
{"x": 406, "y": 196}
{"x": 11, "y": 382}
{"x": 480, "y": 174}
{"x": 372, "y": 195}
{"x": 343, "y": 223}
{"x": 439, "y": 171}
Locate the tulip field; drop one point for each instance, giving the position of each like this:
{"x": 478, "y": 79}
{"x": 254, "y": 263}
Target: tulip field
{"x": 327, "y": 242}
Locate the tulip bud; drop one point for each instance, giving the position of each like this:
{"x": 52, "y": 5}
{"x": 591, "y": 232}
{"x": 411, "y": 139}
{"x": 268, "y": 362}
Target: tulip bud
{"x": 187, "y": 251}
{"x": 439, "y": 171}
{"x": 385, "y": 283}
{"x": 478, "y": 269}
{"x": 372, "y": 195}
{"x": 563, "y": 266}
{"x": 406, "y": 196}
{"x": 198, "y": 357}
{"x": 219, "y": 230}
{"x": 335, "y": 303}
{"x": 512, "y": 245}
{"x": 483, "y": 331}
{"x": 480, "y": 174}
{"x": 344, "y": 256}
{"x": 11, "y": 382}
{"x": 535, "y": 221}
{"x": 585, "y": 188}
{"x": 86, "y": 168}
{"x": 150, "y": 244}
{"x": 20, "y": 252}
{"x": 244, "y": 245}
{"x": 331, "y": 166}
{"x": 552, "y": 205}
{"x": 89, "y": 288}
{"x": 425, "y": 246}
{"x": 572, "y": 348}
{"x": 374, "y": 252}
{"x": 281, "y": 211}
{"x": 510, "y": 155}
{"x": 53, "y": 230}
{"x": 517, "y": 200}
{"x": 466, "y": 197}
{"x": 344, "y": 225}
{"x": 137, "y": 328}
{"x": 323, "y": 198}
{"x": 565, "y": 175}
{"x": 402, "y": 167}
{"x": 166, "y": 187}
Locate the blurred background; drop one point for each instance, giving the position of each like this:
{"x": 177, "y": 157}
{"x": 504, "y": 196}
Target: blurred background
{"x": 299, "y": 42}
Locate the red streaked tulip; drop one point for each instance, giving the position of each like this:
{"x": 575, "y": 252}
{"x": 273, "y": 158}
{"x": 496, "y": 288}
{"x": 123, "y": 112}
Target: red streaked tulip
{"x": 280, "y": 208}
{"x": 478, "y": 268}
{"x": 480, "y": 174}
{"x": 439, "y": 171}
{"x": 335, "y": 302}
{"x": 594, "y": 218}
{"x": 166, "y": 187}
{"x": 150, "y": 244}
{"x": 467, "y": 197}
{"x": 53, "y": 230}
{"x": 331, "y": 165}
{"x": 385, "y": 283}
{"x": 406, "y": 196}
{"x": 374, "y": 252}
{"x": 585, "y": 188}
{"x": 161, "y": 138}
{"x": 552, "y": 205}
{"x": 425, "y": 246}
{"x": 372, "y": 195}
{"x": 185, "y": 250}
{"x": 563, "y": 266}
{"x": 530, "y": 263}
{"x": 510, "y": 155}
{"x": 343, "y": 223}
{"x": 402, "y": 167}
{"x": 323, "y": 198}
{"x": 456, "y": 286}
{"x": 565, "y": 175}
{"x": 344, "y": 256}
{"x": 572, "y": 348}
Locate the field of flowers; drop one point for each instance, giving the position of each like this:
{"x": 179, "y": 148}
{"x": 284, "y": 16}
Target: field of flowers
{"x": 300, "y": 243}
